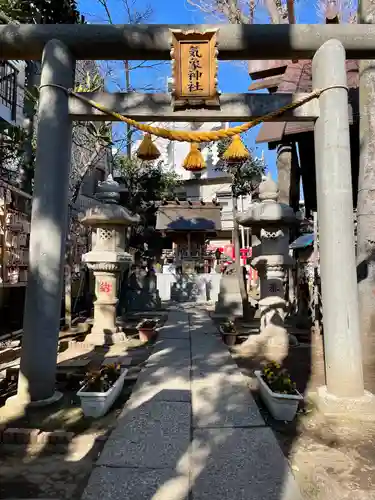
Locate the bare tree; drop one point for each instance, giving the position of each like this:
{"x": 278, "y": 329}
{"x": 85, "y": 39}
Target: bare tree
{"x": 248, "y": 12}
{"x": 90, "y": 140}
{"x": 240, "y": 11}
{"x": 121, "y": 76}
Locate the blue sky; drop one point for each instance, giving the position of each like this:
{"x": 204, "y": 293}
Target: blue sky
{"x": 233, "y": 77}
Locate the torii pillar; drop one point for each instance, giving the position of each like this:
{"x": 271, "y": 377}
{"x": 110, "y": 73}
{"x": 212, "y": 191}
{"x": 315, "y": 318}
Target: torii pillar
{"x": 344, "y": 391}
{"x": 49, "y": 223}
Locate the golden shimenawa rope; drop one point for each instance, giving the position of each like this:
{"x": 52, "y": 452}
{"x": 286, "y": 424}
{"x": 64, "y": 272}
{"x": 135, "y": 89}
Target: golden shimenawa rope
{"x": 196, "y": 136}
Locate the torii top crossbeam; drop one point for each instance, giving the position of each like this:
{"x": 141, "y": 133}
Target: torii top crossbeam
{"x": 152, "y": 42}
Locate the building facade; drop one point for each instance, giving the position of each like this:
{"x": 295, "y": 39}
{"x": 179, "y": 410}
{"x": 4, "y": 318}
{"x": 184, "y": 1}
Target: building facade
{"x": 12, "y": 80}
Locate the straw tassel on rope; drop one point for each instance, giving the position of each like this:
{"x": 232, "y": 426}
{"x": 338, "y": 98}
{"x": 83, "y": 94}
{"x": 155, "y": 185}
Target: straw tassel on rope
{"x": 194, "y": 162}
{"x": 236, "y": 151}
{"x": 147, "y": 150}
{"x": 196, "y": 136}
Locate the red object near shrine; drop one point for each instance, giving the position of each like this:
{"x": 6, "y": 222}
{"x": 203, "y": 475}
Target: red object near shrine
{"x": 105, "y": 287}
{"x": 246, "y": 253}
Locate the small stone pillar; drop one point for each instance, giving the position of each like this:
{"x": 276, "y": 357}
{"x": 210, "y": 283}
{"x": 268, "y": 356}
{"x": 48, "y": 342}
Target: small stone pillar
{"x": 272, "y": 221}
{"x": 107, "y": 260}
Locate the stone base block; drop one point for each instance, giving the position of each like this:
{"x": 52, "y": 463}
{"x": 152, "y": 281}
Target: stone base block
{"x": 106, "y": 337}
{"x": 361, "y": 408}
{"x": 18, "y": 404}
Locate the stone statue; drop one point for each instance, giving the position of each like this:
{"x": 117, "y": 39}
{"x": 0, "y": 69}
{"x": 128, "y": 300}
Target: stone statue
{"x": 271, "y": 221}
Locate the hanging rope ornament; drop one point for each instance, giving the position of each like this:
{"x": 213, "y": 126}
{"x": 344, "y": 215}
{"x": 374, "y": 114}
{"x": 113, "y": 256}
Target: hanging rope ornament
{"x": 147, "y": 150}
{"x": 196, "y": 136}
{"x": 236, "y": 151}
{"x": 194, "y": 162}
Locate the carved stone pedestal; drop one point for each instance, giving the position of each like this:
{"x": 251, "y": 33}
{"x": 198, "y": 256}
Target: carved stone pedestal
{"x": 104, "y": 330}
{"x": 107, "y": 260}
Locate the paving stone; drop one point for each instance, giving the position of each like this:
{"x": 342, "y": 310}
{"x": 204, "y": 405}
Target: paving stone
{"x": 177, "y": 317}
{"x": 201, "y": 325}
{"x": 173, "y": 360}
{"x": 245, "y": 464}
{"x": 166, "y": 383}
{"x": 135, "y": 484}
{"x": 153, "y": 435}
{"x": 171, "y": 345}
{"x": 174, "y": 332}
{"x": 209, "y": 357}
{"x": 149, "y": 455}
{"x": 221, "y": 400}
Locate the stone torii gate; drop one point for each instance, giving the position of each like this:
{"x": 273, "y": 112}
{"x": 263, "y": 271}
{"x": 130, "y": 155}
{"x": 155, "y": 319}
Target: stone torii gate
{"x": 60, "y": 45}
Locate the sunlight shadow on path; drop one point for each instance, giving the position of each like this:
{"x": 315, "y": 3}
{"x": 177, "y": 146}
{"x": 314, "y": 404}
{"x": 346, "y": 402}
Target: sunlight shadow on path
{"x": 191, "y": 428}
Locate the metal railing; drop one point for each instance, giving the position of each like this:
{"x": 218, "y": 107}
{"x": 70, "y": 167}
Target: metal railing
{"x": 8, "y": 86}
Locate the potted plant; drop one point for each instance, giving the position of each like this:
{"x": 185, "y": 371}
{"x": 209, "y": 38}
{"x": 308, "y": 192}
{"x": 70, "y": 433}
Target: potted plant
{"x": 278, "y": 391}
{"x": 101, "y": 389}
{"x": 228, "y": 333}
{"x": 147, "y": 330}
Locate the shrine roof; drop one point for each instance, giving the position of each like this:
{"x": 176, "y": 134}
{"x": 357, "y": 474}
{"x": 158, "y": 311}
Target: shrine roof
{"x": 298, "y": 78}
{"x": 188, "y": 216}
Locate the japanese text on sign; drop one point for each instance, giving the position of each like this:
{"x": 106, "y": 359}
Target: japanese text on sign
{"x": 195, "y": 74}
{"x": 105, "y": 287}
{"x": 194, "y": 56}
{"x": 273, "y": 288}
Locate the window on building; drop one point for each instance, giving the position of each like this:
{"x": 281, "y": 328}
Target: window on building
{"x": 225, "y": 200}
{"x": 181, "y": 195}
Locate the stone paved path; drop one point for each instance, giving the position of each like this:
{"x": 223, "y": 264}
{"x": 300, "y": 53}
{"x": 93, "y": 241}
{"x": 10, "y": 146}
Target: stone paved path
{"x": 191, "y": 429}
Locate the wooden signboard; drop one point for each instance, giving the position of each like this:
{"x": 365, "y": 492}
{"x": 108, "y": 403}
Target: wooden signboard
{"x": 194, "y": 59}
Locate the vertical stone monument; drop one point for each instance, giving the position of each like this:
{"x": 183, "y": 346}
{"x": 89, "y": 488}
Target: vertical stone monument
{"x": 107, "y": 259}
{"x": 271, "y": 221}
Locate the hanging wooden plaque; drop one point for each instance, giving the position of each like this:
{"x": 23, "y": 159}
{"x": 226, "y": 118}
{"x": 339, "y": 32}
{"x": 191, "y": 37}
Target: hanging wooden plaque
{"x": 194, "y": 60}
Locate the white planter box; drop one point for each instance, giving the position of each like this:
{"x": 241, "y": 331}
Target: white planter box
{"x": 96, "y": 404}
{"x": 281, "y": 406}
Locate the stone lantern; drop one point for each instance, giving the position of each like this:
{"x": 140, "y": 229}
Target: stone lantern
{"x": 107, "y": 259}
{"x": 271, "y": 222}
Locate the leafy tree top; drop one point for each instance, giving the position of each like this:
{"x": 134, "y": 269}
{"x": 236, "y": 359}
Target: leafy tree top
{"x": 42, "y": 11}
{"x": 145, "y": 183}
{"x": 246, "y": 175}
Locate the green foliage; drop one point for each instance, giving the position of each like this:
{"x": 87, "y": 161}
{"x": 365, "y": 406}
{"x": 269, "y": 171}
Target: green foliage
{"x": 246, "y": 175}
{"x": 146, "y": 183}
{"x": 17, "y": 148}
{"x": 101, "y": 380}
{"x": 90, "y": 83}
{"x": 228, "y": 326}
{"x": 42, "y": 11}
{"x": 278, "y": 379}
{"x": 11, "y": 147}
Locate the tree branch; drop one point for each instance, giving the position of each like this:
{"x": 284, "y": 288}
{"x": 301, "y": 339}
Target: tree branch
{"x": 235, "y": 13}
